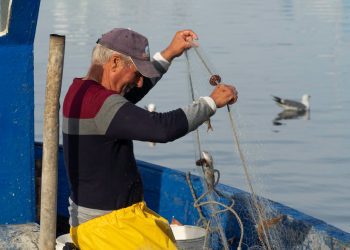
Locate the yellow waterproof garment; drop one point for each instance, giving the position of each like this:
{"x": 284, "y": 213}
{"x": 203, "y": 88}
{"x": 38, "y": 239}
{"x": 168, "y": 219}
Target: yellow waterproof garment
{"x": 134, "y": 227}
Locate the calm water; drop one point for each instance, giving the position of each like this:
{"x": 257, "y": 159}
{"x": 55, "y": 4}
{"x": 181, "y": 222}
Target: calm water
{"x": 280, "y": 47}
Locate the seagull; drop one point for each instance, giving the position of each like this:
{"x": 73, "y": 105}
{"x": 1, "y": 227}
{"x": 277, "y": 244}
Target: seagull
{"x": 286, "y": 104}
{"x": 151, "y": 107}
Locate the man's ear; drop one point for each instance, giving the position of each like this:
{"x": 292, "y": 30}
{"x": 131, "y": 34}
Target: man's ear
{"x": 116, "y": 61}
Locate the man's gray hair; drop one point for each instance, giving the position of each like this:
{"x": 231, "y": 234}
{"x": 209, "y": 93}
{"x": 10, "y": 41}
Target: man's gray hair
{"x": 101, "y": 54}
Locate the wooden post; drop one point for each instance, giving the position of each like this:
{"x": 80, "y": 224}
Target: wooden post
{"x": 4, "y": 13}
{"x": 48, "y": 211}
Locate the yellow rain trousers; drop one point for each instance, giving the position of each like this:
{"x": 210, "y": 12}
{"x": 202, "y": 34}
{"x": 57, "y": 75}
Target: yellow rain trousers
{"x": 134, "y": 227}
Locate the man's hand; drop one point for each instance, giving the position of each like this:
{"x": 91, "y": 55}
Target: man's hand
{"x": 181, "y": 41}
{"x": 224, "y": 94}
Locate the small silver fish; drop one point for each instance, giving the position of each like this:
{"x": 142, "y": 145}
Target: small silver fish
{"x": 209, "y": 171}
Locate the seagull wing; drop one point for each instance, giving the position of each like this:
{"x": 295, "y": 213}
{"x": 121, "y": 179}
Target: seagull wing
{"x": 289, "y": 104}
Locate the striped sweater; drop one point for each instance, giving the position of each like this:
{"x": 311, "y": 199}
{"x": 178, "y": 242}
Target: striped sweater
{"x": 98, "y": 128}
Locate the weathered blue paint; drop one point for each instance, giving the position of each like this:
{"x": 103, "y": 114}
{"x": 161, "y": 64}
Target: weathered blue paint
{"x": 167, "y": 193}
{"x": 17, "y": 198}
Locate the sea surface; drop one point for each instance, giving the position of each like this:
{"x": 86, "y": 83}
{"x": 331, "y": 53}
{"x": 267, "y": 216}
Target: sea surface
{"x": 277, "y": 47}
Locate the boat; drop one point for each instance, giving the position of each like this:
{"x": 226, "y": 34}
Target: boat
{"x": 171, "y": 193}
{"x": 168, "y": 193}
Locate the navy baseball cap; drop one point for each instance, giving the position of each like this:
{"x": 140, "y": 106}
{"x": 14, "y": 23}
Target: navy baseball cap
{"x": 133, "y": 44}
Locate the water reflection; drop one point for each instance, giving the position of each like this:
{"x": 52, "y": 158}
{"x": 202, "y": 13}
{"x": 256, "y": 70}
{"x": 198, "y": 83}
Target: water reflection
{"x": 290, "y": 45}
{"x": 291, "y": 114}
{"x": 287, "y": 9}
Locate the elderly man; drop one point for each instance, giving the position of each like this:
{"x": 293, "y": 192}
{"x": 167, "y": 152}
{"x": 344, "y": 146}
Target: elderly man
{"x": 100, "y": 120}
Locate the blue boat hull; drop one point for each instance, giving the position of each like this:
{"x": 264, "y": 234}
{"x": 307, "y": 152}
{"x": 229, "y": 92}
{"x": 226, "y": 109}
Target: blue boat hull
{"x": 167, "y": 192}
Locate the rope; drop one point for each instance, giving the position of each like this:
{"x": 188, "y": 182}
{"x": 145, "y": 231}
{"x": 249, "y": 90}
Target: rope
{"x": 199, "y": 54}
{"x": 242, "y": 158}
{"x": 233, "y": 212}
{"x": 201, "y": 216}
{"x": 245, "y": 168}
{"x": 222, "y": 233}
{"x": 198, "y": 205}
{"x": 193, "y": 99}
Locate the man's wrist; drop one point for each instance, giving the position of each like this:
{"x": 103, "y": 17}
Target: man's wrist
{"x": 167, "y": 55}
